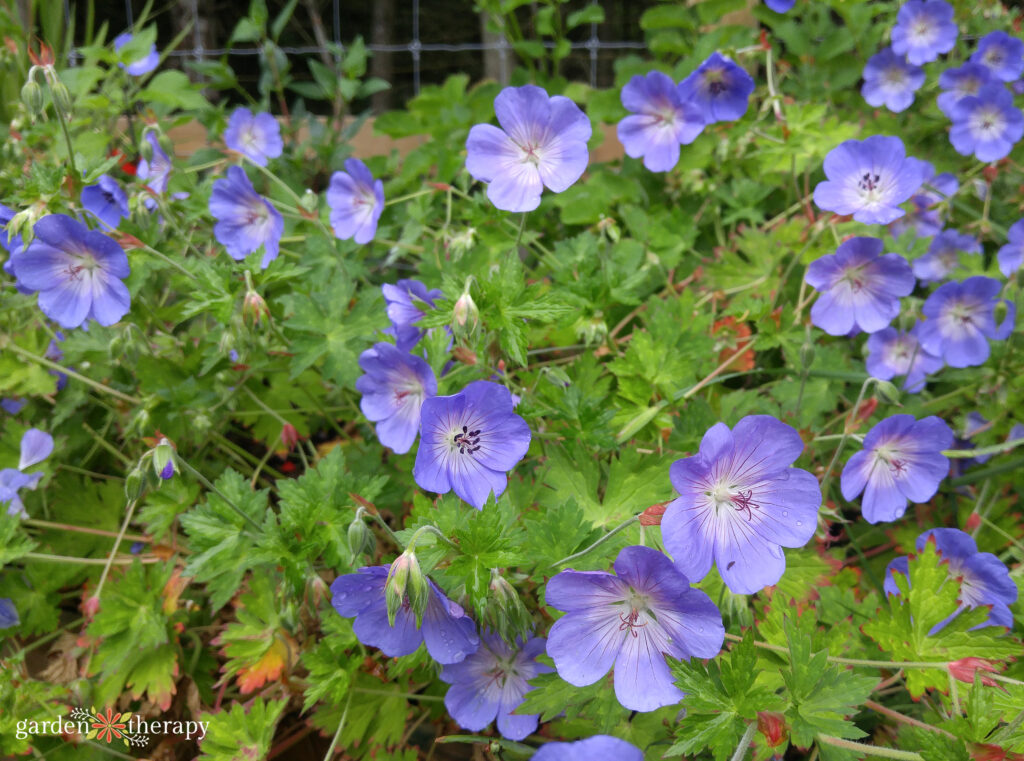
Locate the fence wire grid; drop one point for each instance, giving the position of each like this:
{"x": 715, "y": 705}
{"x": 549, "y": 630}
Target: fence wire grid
{"x": 415, "y": 47}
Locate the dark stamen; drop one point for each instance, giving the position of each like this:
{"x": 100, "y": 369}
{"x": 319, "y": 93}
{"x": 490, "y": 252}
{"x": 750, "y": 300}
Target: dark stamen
{"x": 630, "y": 621}
{"x": 742, "y": 501}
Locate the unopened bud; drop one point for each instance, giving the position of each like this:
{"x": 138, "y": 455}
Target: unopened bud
{"x": 61, "y": 97}
{"x": 807, "y": 355}
{"x": 146, "y": 147}
{"x": 32, "y": 97}
{"x": 289, "y": 436}
{"x": 465, "y": 312}
{"x": 309, "y": 201}
{"x": 772, "y": 725}
{"x": 163, "y": 460}
{"x": 966, "y": 670}
{"x": 462, "y": 242}
{"x": 360, "y": 538}
{"x": 135, "y": 484}
{"x": 255, "y": 311}
{"x": 888, "y": 392}
{"x": 506, "y": 612}
{"x": 398, "y": 589}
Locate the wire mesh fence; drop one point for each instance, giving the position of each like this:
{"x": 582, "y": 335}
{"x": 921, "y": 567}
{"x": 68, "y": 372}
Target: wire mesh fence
{"x": 453, "y": 39}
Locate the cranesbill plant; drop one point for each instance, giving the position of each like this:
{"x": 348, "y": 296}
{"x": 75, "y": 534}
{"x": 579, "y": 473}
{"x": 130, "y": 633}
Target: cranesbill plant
{"x": 393, "y": 390}
{"x": 659, "y": 123}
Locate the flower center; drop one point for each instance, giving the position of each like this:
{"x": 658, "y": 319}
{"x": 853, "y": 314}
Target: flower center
{"x": 869, "y": 182}
{"x": 467, "y": 442}
{"x": 922, "y": 31}
{"x": 993, "y": 57}
{"x": 962, "y": 315}
{"x": 988, "y": 122}
{"x": 714, "y": 79}
{"x": 854, "y": 278}
{"x": 892, "y": 459}
{"x": 80, "y": 264}
{"x": 895, "y": 77}
{"x": 733, "y": 497}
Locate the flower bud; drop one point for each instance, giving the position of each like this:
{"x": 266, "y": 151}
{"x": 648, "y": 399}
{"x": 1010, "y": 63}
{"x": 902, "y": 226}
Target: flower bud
{"x": 163, "y": 460}
{"x": 772, "y": 725}
{"x": 309, "y": 201}
{"x": 965, "y": 670}
{"x": 135, "y": 484}
{"x": 888, "y": 392}
{"x": 289, "y": 436}
{"x": 462, "y": 242}
{"x": 465, "y": 311}
{"x": 32, "y": 97}
{"x": 406, "y": 586}
{"x": 61, "y": 97}
{"x": 506, "y": 613}
{"x": 360, "y": 538}
{"x": 807, "y": 355}
{"x": 145, "y": 148}
{"x": 255, "y": 311}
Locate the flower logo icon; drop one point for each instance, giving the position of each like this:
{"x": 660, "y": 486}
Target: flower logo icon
{"x": 110, "y": 725}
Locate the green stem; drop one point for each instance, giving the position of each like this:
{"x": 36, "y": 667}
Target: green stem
{"x": 337, "y": 735}
{"x": 842, "y": 441}
{"x": 1006, "y": 446}
{"x": 168, "y": 260}
{"x": 145, "y": 560}
{"x": 621, "y": 527}
{"x": 113, "y": 550}
{"x": 71, "y": 374}
{"x": 428, "y": 529}
{"x": 748, "y": 736}
{"x": 870, "y": 750}
{"x": 210, "y": 487}
{"x": 409, "y": 196}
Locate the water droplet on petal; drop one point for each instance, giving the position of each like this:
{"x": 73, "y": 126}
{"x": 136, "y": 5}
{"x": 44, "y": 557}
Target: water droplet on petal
{"x": 799, "y": 523}
{"x": 785, "y": 513}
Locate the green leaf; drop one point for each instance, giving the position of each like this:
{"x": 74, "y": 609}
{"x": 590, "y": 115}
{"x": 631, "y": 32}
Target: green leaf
{"x": 821, "y": 695}
{"x": 240, "y": 735}
{"x": 14, "y": 543}
{"x": 173, "y": 88}
{"x": 592, "y": 14}
{"x": 221, "y": 540}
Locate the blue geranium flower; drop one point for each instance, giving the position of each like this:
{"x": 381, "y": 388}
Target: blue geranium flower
{"x": 719, "y": 88}
{"x": 893, "y": 352}
{"x": 8, "y": 614}
{"x": 246, "y": 220}
{"x": 631, "y": 620}
{"x": 901, "y": 460}
{"x": 869, "y": 179}
{"x": 961, "y": 321}
{"x": 924, "y": 30}
{"x": 77, "y": 272}
{"x": 660, "y": 121}
{"x": 860, "y": 287}
{"x": 449, "y": 634}
{"x": 492, "y": 682}
{"x": 36, "y": 446}
{"x": 469, "y": 442}
{"x": 958, "y": 83}
{"x": 106, "y": 201}
{"x": 924, "y": 218}
{"x": 356, "y": 201}
{"x": 890, "y": 81}
{"x": 394, "y": 387}
{"x": 592, "y": 748}
{"x": 143, "y": 65}
{"x": 984, "y": 579}
{"x": 257, "y": 137}
{"x": 780, "y": 6}
{"x": 401, "y": 300}
{"x": 156, "y": 171}
{"x": 1011, "y": 256}
{"x": 740, "y": 502}
{"x": 1002, "y": 54}
{"x": 987, "y": 124}
{"x": 542, "y": 143}
{"x": 943, "y": 255}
